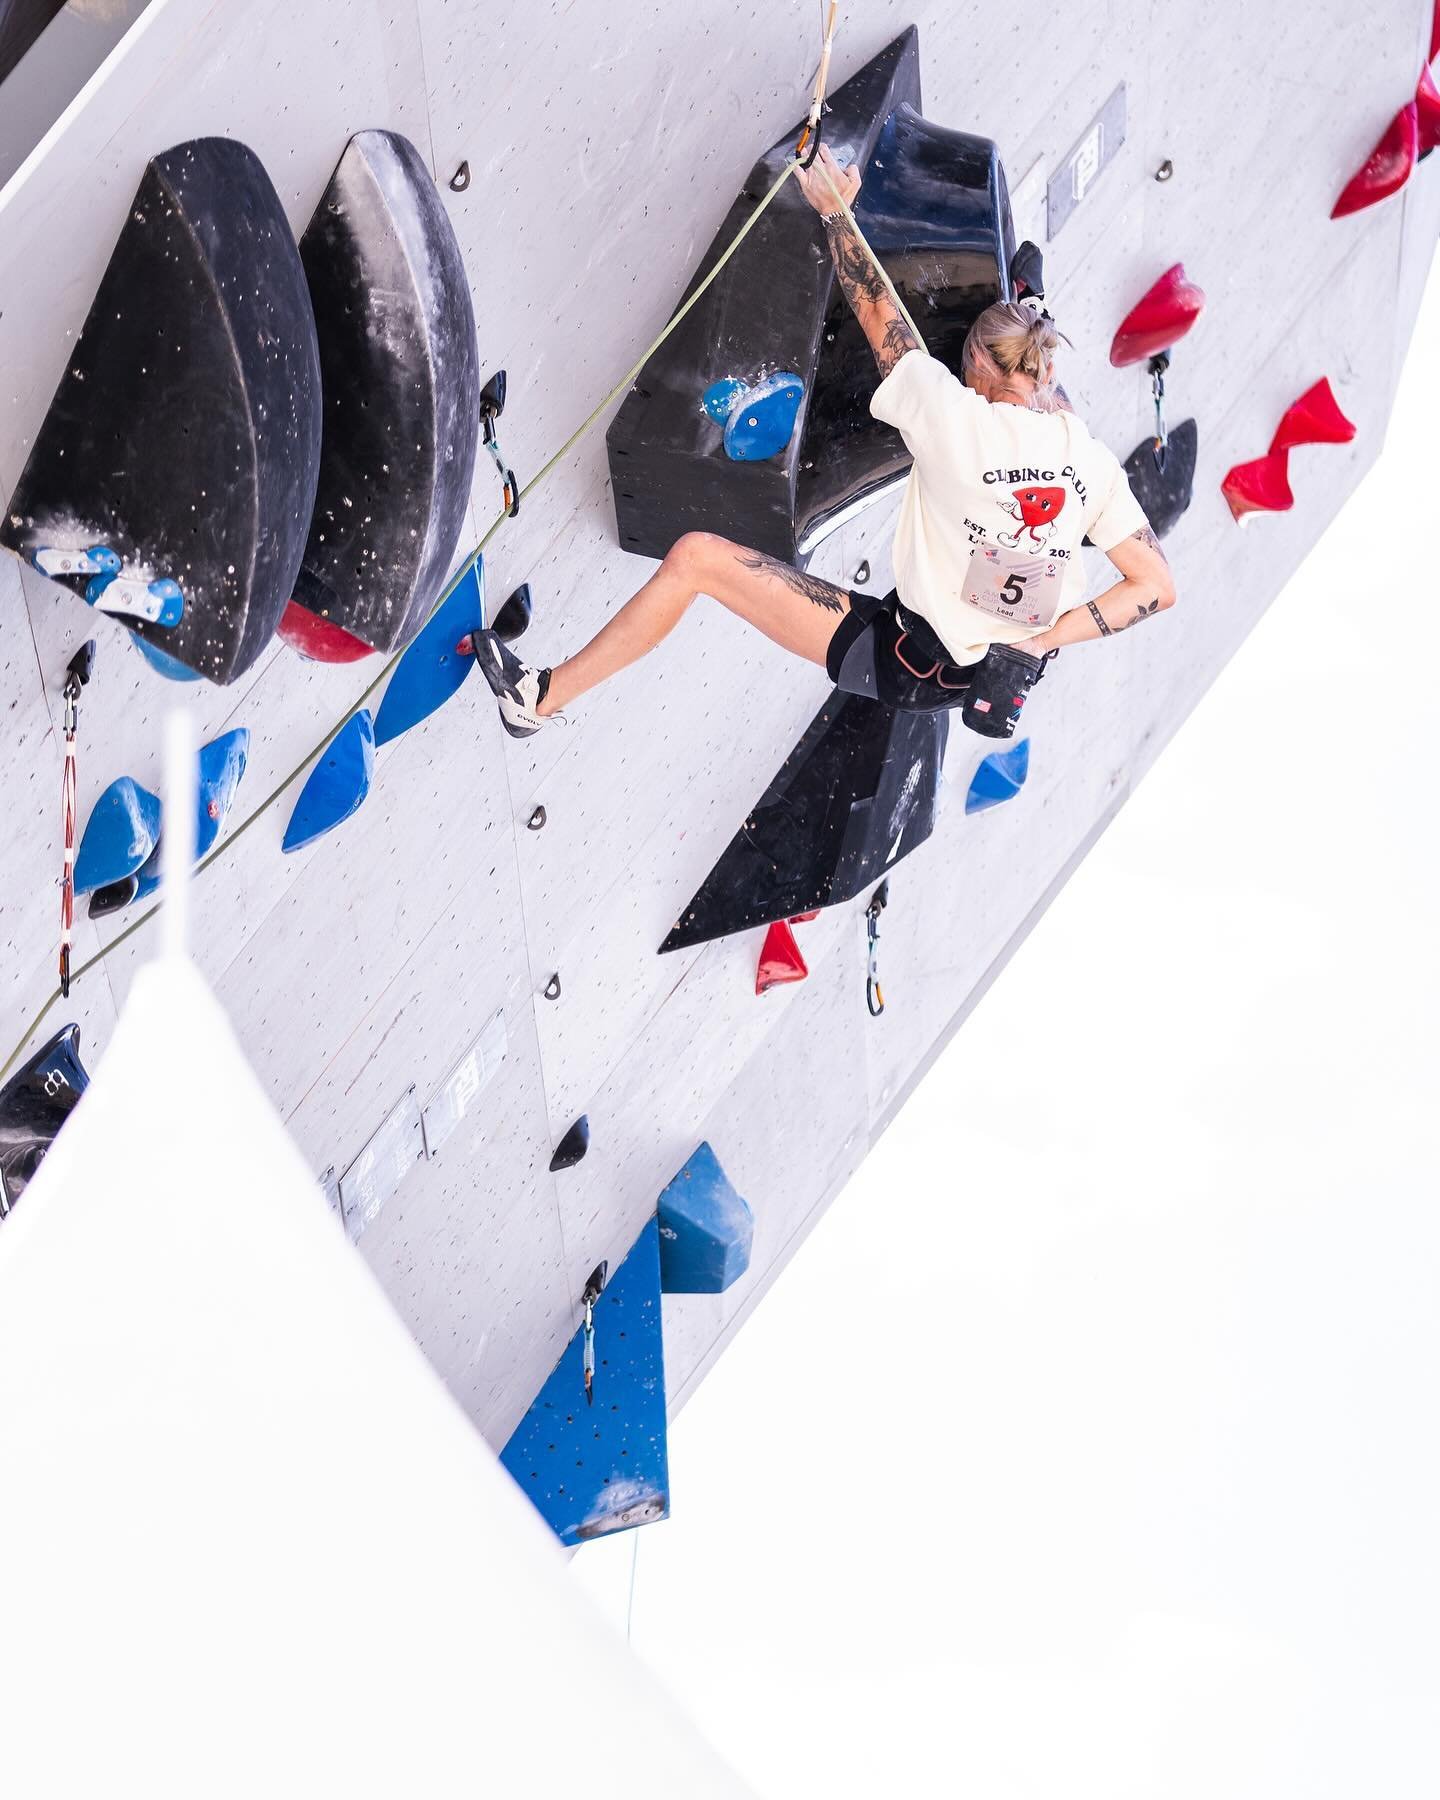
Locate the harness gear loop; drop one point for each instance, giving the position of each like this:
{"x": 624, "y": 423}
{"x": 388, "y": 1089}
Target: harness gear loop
{"x": 1158, "y": 365}
{"x": 874, "y": 994}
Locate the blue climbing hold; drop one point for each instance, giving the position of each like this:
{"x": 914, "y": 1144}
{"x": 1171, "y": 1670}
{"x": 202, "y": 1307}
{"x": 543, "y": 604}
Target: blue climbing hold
{"x": 338, "y": 783}
{"x": 221, "y": 765}
{"x": 1000, "y": 777}
{"x": 163, "y": 662}
{"x": 122, "y": 830}
{"x": 762, "y": 421}
{"x": 431, "y": 670}
{"x": 591, "y": 1470}
{"x": 706, "y": 1229}
{"x": 720, "y": 397}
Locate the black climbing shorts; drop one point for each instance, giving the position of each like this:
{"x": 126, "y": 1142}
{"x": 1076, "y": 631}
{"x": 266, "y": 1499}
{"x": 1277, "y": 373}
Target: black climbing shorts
{"x": 887, "y": 654}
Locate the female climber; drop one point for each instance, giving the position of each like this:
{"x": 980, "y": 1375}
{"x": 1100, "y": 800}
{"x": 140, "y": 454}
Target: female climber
{"x": 1006, "y": 482}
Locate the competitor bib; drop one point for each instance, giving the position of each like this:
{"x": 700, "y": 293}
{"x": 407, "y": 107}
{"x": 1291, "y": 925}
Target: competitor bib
{"x": 1024, "y": 590}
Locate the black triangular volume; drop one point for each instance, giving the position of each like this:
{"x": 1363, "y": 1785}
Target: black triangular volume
{"x": 855, "y": 796}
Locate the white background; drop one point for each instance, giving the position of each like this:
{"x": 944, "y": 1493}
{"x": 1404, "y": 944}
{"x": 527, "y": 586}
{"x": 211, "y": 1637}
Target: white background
{"x": 1089, "y": 1446}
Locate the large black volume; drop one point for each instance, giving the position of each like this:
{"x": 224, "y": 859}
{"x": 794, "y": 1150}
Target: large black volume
{"x": 855, "y": 796}
{"x": 402, "y": 393}
{"x": 185, "y": 432}
{"x": 935, "y": 208}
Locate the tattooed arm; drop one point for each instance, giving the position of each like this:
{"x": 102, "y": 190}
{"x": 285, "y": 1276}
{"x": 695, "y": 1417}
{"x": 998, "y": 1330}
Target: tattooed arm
{"x": 1147, "y": 589}
{"x": 887, "y": 333}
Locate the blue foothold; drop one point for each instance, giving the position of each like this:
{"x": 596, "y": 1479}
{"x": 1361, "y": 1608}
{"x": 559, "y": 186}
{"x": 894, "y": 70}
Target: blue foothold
{"x": 706, "y": 1229}
{"x": 1000, "y": 777}
{"x": 431, "y": 670}
{"x": 122, "y": 830}
{"x": 338, "y": 783}
{"x": 221, "y": 764}
{"x": 162, "y": 662}
{"x": 763, "y": 420}
{"x": 720, "y": 397}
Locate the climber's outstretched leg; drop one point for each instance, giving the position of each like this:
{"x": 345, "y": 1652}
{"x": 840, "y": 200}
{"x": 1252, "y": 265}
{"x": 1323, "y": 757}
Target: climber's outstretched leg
{"x": 799, "y": 612}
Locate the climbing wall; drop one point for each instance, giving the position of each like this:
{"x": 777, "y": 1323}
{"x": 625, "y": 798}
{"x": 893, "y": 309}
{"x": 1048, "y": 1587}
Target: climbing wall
{"x": 449, "y": 972}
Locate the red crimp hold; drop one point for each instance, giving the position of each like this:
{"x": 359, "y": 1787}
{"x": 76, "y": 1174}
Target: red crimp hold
{"x": 804, "y": 918}
{"x": 1427, "y": 112}
{"x": 1315, "y": 418}
{"x": 1160, "y": 319}
{"x": 780, "y": 958}
{"x": 1259, "y": 486}
{"x": 1386, "y": 169}
{"x": 318, "y": 639}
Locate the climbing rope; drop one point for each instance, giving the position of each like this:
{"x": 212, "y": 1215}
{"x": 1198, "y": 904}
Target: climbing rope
{"x": 512, "y": 502}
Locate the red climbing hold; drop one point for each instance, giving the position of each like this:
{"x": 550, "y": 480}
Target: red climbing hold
{"x": 1315, "y": 418}
{"x": 1387, "y": 168}
{"x": 803, "y": 918}
{"x": 780, "y": 958}
{"x": 1259, "y": 486}
{"x": 1159, "y": 320}
{"x": 317, "y": 638}
{"x": 1427, "y": 110}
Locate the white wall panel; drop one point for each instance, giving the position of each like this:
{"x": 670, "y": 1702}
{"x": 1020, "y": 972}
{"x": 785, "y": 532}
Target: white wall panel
{"x": 603, "y": 150}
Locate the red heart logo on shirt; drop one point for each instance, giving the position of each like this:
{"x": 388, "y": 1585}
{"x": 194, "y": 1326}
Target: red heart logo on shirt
{"x": 1039, "y": 505}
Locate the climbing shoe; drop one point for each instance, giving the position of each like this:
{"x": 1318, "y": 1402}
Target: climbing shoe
{"x": 517, "y": 686}
{"x": 1027, "y": 273}
{"x": 999, "y": 683}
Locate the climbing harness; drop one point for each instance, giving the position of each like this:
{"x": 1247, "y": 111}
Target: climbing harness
{"x": 492, "y": 404}
{"x": 513, "y": 497}
{"x": 76, "y": 676}
{"x": 593, "y": 1289}
{"x": 1158, "y": 365}
{"x": 874, "y": 994}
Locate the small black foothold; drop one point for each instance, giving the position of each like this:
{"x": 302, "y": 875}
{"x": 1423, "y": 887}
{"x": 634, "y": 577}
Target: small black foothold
{"x": 1165, "y": 171}
{"x": 552, "y": 987}
{"x": 82, "y": 664}
{"x": 460, "y": 180}
{"x": 572, "y": 1147}
{"x": 862, "y": 574}
{"x": 110, "y": 899}
{"x": 513, "y": 618}
{"x": 536, "y": 821}
{"x": 492, "y": 395}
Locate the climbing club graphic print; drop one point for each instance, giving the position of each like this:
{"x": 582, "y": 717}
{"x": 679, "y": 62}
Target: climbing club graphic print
{"x": 1036, "y": 509}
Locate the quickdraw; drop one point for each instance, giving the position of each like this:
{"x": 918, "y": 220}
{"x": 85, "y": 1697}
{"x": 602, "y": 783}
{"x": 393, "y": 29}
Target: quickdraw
{"x": 874, "y": 994}
{"x": 594, "y": 1287}
{"x": 808, "y": 146}
{"x": 76, "y": 676}
{"x": 492, "y": 404}
{"x": 1158, "y": 365}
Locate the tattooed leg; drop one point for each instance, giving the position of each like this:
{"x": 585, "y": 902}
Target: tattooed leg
{"x": 797, "y": 611}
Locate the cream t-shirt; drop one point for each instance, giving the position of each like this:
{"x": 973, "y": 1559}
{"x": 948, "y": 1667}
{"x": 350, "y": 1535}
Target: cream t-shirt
{"x": 988, "y": 544}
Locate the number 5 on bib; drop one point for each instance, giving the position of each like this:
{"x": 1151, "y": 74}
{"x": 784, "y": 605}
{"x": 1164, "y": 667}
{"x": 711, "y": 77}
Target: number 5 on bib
{"x": 1025, "y": 590}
